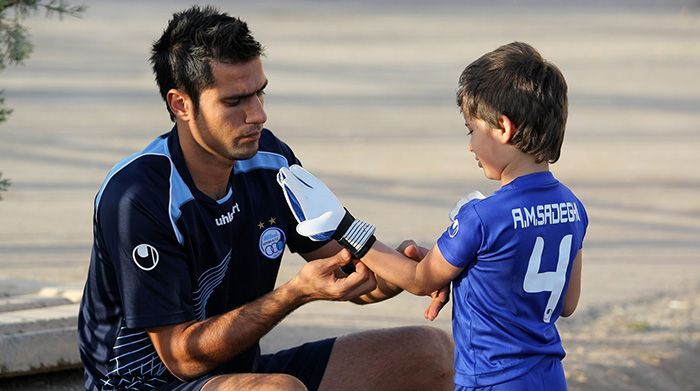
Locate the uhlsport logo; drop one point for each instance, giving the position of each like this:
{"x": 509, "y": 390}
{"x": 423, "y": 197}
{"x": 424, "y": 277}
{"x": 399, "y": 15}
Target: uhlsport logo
{"x": 272, "y": 242}
{"x": 454, "y": 228}
{"x": 145, "y": 256}
{"x": 228, "y": 217}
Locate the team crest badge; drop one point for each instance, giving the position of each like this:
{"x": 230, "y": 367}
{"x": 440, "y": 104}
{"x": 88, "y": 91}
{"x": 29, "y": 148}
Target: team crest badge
{"x": 454, "y": 228}
{"x": 145, "y": 256}
{"x": 272, "y": 242}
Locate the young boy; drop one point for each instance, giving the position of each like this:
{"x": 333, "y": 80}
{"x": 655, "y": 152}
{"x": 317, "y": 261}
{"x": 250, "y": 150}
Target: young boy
{"x": 514, "y": 258}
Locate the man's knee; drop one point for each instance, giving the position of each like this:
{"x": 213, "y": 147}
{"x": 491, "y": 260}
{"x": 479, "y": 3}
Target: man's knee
{"x": 434, "y": 346}
{"x": 428, "y": 337}
{"x": 432, "y": 352}
{"x": 280, "y": 381}
{"x": 262, "y": 382}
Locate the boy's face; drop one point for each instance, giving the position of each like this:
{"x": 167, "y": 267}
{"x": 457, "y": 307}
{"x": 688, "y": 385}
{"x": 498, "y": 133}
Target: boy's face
{"x": 485, "y": 142}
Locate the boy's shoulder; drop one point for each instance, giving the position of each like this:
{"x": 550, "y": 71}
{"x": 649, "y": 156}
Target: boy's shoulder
{"x": 534, "y": 192}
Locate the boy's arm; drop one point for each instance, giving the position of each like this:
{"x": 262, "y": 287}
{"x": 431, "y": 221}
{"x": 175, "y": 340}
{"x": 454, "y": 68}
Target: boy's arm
{"x": 383, "y": 291}
{"x": 574, "y": 291}
{"x": 321, "y": 216}
{"x": 421, "y": 278}
{"x": 386, "y": 289}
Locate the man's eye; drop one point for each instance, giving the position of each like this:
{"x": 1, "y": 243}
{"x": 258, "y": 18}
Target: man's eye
{"x": 233, "y": 103}
{"x": 261, "y": 93}
{"x": 469, "y": 132}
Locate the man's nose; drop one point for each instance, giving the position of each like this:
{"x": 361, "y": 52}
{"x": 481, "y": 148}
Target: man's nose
{"x": 256, "y": 111}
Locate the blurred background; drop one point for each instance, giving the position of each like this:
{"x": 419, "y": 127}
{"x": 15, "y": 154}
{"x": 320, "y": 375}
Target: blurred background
{"x": 363, "y": 91}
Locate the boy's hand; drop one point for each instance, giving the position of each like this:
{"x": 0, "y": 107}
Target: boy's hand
{"x": 320, "y": 214}
{"x": 471, "y": 196}
{"x": 440, "y": 297}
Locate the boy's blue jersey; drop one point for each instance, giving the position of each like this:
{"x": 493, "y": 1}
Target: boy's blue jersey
{"x": 164, "y": 253}
{"x": 516, "y": 247}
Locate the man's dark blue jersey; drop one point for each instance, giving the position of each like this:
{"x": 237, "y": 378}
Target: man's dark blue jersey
{"x": 516, "y": 248}
{"x": 165, "y": 253}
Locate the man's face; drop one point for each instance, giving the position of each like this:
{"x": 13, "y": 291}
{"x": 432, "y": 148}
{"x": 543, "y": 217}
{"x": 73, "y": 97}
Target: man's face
{"x": 231, "y": 114}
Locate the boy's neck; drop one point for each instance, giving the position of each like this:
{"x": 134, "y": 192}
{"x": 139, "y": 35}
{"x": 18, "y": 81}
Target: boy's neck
{"x": 523, "y": 165}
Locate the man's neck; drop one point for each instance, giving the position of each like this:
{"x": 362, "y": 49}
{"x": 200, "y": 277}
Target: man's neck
{"x": 210, "y": 173}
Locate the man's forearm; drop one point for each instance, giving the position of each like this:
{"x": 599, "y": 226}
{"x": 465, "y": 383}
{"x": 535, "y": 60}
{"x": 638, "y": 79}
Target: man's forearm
{"x": 198, "y": 347}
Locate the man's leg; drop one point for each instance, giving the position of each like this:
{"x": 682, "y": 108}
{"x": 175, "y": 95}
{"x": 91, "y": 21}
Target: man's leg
{"x": 404, "y": 358}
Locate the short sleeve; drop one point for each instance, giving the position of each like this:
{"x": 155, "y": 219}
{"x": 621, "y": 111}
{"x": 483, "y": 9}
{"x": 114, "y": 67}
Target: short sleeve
{"x": 153, "y": 273}
{"x": 460, "y": 243}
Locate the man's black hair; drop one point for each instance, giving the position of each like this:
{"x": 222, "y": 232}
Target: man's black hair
{"x": 182, "y": 57}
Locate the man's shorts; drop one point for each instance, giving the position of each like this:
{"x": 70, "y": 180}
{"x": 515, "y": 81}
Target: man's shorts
{"x": 306, "y": 362}
{"x": 547, "y": 375}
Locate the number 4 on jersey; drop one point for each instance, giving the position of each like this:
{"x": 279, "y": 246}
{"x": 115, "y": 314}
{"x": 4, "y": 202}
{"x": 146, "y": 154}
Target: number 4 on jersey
{"x": 552, "y": 282}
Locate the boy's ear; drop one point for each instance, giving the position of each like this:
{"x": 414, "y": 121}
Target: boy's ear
{"x": 179, "y": 103}
{"x": 507, "y": 128}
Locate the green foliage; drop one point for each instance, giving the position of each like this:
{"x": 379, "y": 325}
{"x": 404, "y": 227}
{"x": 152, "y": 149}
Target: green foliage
{"x": 15, "y": 45}
{"x": 639, "y": 325}
{"x": 4, "y": 111}
{"x": 4, "y": 184}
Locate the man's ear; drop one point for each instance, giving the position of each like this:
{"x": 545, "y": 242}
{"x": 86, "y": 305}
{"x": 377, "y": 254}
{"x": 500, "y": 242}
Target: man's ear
{"x": 180, "y": 104}
{"x": 507, "y": 129}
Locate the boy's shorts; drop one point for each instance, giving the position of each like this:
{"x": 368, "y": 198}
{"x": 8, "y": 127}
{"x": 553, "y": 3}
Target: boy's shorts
{"x": 547, "y": 375}
{"x": 306, "y": 362}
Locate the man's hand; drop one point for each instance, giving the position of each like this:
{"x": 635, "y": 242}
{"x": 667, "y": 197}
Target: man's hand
{"x": 317, "y": 279}
{"x": 440, "y": 297}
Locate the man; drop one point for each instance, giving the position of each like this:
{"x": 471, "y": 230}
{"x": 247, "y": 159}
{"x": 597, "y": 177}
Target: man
{"x": 188, "y": 237}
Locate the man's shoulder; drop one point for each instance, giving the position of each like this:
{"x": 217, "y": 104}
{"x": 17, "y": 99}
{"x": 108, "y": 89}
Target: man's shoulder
{"x": 143, "y": 175}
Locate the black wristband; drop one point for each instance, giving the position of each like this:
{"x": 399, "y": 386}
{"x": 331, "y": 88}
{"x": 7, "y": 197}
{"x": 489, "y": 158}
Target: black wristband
{"x": 363, "y": 251}
{"x": 355, "y": 235}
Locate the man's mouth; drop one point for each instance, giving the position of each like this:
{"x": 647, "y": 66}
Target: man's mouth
{"x": 251, "y": 137}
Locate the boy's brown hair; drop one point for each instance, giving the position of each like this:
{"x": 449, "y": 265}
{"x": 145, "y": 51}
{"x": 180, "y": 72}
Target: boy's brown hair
{"x": 514, "y": 80}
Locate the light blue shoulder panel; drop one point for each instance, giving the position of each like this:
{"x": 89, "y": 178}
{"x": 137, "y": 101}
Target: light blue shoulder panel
{"x": 179, "y": 192}
{"x": 261, "y": 160}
